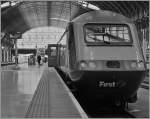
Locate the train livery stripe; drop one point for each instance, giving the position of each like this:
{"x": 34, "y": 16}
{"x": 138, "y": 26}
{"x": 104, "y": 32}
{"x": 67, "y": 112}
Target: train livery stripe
{"x": 81, "y": 111}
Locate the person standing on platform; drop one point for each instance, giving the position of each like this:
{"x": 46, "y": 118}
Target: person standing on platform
{"x": 39, "y": 59}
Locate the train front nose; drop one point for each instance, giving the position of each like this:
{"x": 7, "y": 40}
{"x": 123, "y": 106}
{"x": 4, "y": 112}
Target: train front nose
{"x": 101, "y": 84}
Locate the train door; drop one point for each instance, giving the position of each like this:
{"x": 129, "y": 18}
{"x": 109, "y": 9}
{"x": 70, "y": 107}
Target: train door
{"x": 53, "y": 55}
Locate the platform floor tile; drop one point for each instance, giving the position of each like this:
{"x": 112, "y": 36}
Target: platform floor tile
{"x": 17, "y": 89}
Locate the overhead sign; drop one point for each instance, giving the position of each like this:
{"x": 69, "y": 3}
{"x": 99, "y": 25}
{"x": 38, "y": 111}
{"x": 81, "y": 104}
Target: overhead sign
{"x": 16, "y": 36}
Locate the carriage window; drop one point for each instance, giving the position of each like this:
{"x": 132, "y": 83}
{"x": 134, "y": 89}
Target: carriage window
{"x": 53, "y": 51}
{"x": 107, "y": 34}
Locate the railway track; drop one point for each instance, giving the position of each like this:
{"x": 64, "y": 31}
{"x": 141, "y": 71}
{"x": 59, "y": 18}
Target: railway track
{"x": 128, "y": 114}
{"x": 146, "y": 82}
{"x": 145, "y": 86}
{"x": 97, "y": 109}
{"x": 111, "y": 113}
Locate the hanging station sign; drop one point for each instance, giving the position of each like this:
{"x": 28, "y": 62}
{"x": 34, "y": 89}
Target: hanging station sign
{"x": 16, "y": 35}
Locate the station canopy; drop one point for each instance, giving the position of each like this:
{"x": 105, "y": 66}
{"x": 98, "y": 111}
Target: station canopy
{"x": 32, "y": 17}
{"x": 27, "y": 15}
{"x": 22, "y": 16}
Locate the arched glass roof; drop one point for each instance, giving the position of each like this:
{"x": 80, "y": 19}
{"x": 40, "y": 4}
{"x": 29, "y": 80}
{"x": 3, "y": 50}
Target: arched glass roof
{"x": 27, "y": 15}
{"x": 40, "y": 37}
{"x": 21, "y": 16}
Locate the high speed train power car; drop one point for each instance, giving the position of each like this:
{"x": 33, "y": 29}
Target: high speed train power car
{"x": 103, "y": 56}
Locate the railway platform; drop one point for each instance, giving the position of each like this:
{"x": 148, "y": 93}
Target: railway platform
{"x": 35, "y": 92}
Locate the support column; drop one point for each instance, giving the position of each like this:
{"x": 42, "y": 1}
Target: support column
{"x": 7, "y": 55}
{"x": 144, "y": 43}
{"x": 4, "y": 55}
{"x": 16, "y": 53}
{"x": 2, "y": 59}
{"x": 10, "y": 55}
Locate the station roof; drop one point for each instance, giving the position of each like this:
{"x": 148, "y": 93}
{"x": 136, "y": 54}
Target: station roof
{"x": 30, "y": 14}
{"x": 131, "y": 9}
{"x": 27, "y": 15}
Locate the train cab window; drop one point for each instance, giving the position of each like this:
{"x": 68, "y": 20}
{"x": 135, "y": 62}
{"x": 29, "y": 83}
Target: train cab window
{"x": 108, "y": 34}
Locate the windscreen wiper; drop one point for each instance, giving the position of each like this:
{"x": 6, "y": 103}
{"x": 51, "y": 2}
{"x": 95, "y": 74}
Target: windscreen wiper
{"x": 109, "y": 35}
{"x": 96, "y": 39}
{"x": 114, "y": 37}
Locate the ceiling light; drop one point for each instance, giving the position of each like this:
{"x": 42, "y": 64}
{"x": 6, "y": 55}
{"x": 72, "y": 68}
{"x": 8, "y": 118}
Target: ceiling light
{"x": 6, "y": 4}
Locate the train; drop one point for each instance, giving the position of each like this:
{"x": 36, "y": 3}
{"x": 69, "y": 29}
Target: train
{"x": 103, "y": 56}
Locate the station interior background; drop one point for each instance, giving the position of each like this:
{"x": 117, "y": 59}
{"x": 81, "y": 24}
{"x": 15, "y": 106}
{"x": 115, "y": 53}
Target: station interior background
{"x": 43, "y": 23}
{"x": 27, "y": 27}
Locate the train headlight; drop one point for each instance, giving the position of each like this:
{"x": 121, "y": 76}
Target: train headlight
{"x": 83, "y": 64}
{"x": 92, "y": 65}
{"x": 141, "y": 65}
{"x": 133, "y": 65}
{"x": 137, "y": 65}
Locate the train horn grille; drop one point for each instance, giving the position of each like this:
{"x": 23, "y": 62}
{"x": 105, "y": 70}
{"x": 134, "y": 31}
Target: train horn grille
{"x": 113, "y": 64}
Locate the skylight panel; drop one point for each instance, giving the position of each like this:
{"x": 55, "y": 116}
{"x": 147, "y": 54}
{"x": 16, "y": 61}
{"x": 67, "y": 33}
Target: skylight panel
{"x": 88, "y": 5}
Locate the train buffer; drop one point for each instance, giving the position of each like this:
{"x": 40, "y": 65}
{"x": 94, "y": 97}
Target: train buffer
{"x": 52, "y": 99}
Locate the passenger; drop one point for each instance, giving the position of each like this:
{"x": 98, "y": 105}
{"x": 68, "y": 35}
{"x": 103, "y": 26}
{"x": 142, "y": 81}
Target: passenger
{"x": 33, "y": 59}
{"x": 39, "y": 59}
